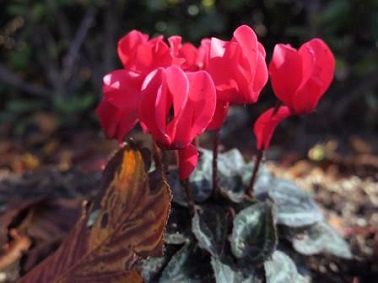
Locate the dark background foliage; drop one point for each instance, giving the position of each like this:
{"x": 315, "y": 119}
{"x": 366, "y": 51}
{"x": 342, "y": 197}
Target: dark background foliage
{"x": 53, "y": 54}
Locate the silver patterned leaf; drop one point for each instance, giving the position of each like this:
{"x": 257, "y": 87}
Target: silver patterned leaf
{"x": 210, "y": 226}
{"x": 225, "y": 273}
{"x": 321, "y": 238}
{"x": 254, "y": 234}
{"x": 281, "y": 269}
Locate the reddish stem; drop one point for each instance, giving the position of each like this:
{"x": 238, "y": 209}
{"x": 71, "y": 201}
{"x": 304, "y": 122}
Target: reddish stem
{"x": 155, "y": 155}
{"x": 259, "y": 156}
{"x": 215, "y": 163}
{"x": 188, "y": 194}
{"x": 165, "y": 164}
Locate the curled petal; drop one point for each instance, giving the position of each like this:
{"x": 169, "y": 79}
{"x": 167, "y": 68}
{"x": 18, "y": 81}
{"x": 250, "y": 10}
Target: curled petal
{"x": 319, "y": 68}
{"x": 127, "y": 46}
{"x": 188, "y": 159}
{"x": 220, "y": 115}
{"x": 199, "y": 109}
{"x": 266, "y": 123}
{"x": 152, "y": 55}
{"x": 141, "y": 55}
{"x": 301, "y": 77}
{"x": 118, "y": 110}
{"x": 164, "y": 96}
{"x": 285, "y": 72}
{"x": 203, "y": 53}
{"x": 177, "y": 106}
{"x": 238, "y": 67}
{"x": 184, "y": 55}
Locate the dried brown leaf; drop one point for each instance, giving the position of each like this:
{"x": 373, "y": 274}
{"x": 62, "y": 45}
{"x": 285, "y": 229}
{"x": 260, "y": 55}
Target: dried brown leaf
{"x": 124, "y": 224}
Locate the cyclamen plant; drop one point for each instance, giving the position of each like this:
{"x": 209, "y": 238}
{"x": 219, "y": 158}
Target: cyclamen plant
{"x": 177, "y": 91}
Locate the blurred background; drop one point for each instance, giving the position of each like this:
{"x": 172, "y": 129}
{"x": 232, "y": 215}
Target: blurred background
{"x": 54, "y": 53}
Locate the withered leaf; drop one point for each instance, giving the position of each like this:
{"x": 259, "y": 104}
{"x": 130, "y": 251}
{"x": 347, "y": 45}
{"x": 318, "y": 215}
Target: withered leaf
{"x": 124, "y": 224}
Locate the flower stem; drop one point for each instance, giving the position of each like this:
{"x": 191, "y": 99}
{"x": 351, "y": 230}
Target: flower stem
{"x": 215, "y": 163}
{"x": 259, "y": 157}
{"x": 165, "y": 164}
{"x": 188, "y": 194}
{"x": 155, "y": 155}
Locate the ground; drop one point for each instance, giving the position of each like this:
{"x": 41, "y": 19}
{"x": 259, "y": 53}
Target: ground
{"x": 45, "y": 176}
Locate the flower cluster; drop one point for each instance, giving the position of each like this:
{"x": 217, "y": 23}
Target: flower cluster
{"x": 176, "y": 91}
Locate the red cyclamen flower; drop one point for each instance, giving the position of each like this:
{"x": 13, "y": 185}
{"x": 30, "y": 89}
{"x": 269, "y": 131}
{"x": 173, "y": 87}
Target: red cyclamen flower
{"x": 118, "y": 110}
{"x": 188, "y": 159}
{"x": 177, "y": 106}
{"x": 266, "y": 123}
{"x": 301, "y": 77}
{"x": 143, "y": 55}
{"x": 185, "y": 55}
{"x": 238, "y": 67}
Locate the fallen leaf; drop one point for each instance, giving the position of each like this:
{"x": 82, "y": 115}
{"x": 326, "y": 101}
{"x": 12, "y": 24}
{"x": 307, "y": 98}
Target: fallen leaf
{"x": 124, "y": 224}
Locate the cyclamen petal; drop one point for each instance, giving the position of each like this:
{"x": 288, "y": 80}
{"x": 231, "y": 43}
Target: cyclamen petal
{"x": 184, "y": 55}
{"x": 188, "y": 160}
{"x": 266, "y": 123}
{"x": 203, "y": 53}
{"x": 143, "y": 55}
{"x": 220, "y": 115}
{"x": 238, "y": 67}
{"x": 301, "y": 77}
{"x": 118, "y": 110}
{"x": 177, "y": 106}
{"x": 128, "y": 45}
{"x": 199, "y": 109}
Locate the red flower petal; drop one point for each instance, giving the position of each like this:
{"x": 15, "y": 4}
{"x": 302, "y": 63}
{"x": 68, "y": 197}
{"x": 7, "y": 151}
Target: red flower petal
{"x": 198, "y": 110}
{"x": 177, "y": 106}
{"x": 203, "y": 53}
{"x": 188, "y": 159}
{"x": 300, "y": 78}
{"x": 238, "y": 67}
{"x": 128, "y": 45}
{"x": 285, "y": 70}
{"x": 118, "y": 110}
{"x": 164, "y": 90}
{"x": 184, "y": 55}
{"x": 266, "y": 123}
{"x": 220, "y": 115}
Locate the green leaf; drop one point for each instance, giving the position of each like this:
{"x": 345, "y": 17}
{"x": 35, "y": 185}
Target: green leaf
{"x": 210, "y": 226}
{"x": 281, "y": 269}
{"x": 152, "y": 266}
{"x": 187, "y": 266}
{"x": 178, "y": 230}
{"x": 201, "y": 189}
{"x": 254, "y": 233}
{"x": 225, "y": 273}
{"x": 294, "y": 207}
{"x": 320, "y": 238}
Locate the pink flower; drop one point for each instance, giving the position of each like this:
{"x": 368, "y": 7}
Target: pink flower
{"x": 266, "y": 123}
{"x": 118, "y": 110}
{"x": 301, "y": 77}
{"x": 202, "y": 59}
{"x": 238, "y": 67}
{"x": 177, "y": 106}
{"x": 220, "y": 115}
{"x": 188, "y": 159}
{"x": 142, "y": 55}
{"x": 184, "y": 55}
